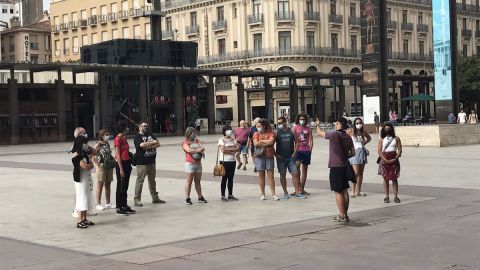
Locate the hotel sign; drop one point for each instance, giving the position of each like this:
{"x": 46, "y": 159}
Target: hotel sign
{"x": 26, "y": 45}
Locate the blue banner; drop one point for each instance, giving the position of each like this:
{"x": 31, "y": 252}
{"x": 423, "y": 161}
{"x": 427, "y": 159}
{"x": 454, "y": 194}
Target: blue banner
{"x": 442, "y": 49}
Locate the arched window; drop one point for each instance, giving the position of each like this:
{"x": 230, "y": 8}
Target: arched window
{"x": 352, "y": 81}
{"x": 309, "y": 81}
{"x": 336, "y": 70}
{"x": 283, "y": 81}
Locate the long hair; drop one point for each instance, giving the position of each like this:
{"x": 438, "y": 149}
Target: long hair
{"x": 189, "y": 132}
{"x": 297, "y": 119}
{"x": 382, "y": 132}
{"x": 122, "y": 126}
{"x": 266, "y": 124}
{"x": 357, "y": 131}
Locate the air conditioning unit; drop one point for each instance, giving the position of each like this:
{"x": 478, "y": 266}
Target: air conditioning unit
{"x": 281, "y": 82}
{"x": 255, "y": 83}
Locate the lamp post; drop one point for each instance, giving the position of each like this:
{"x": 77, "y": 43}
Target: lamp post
{"x": 155, "y": 19}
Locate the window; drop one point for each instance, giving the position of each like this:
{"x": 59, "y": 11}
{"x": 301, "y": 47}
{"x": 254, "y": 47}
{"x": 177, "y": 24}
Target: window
{"x": 389, "y": 46}
{"x": 465, "y": 50}
{"x": 75, "y": 45}
{"x": 93, "y": 12}
{"x": 234, "y": 8}
{"x": 309, "y": 6}
{"x": 464, "y": 23}
{"x": 284, "y": 41}
{"x": 94, "y": 38}
{"x": 136, "y": 4}
{"x": 221, "y": 47}
{"x": 113, "y": 8}
{"x": 421, "y": 47}
{"x": 405, "y": 46}
{"x": 310, "y": 40}
{"x": 353, "y": 10}
{"x": 168, "y": 23}
{"x": 404, "y": 16}
{"x": 193, "y": 18}
{"x": 34, "y": 59}
{"x": 220, "y": 14}
{"x": 56, "y": 20}
{"x": 125, "y": 32}
{"x": 74, "y": 17}
{"x": 47, "y": 43}
{"x": 148, "y": 32}
{"x": 84, "y": 40}
{"x": 83, "y": 14}
{"x": 478, "y": 50}
{"x": 334, "y": 41}
{"x": 124, "y": 5}
{"x": 283, "y": 9}
{"x": 420, "y": 17}
{"x": 66, "y": 46}
{"x": 235, "y": 44}
{"x": 103, "y": 10}
{"x": 389, "y": 14}
{"x": 257, "y": 7}
{"x": 4, "y": 9}
{"x": 57, "y": 45}
{"x": 333, "y": 7}
{"x": 104, "y": 36}
{"x": 136, "y": 32}
{"x": 477, "y": 25}
{"x": 114, "y": 33}
{"x": 65, "y": 18}
{"x": 257, "y": 42}
{"x": 353, "y": 43}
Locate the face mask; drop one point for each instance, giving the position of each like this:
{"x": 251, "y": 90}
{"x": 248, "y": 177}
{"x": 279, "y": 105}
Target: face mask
{"x": 229, "y": 133}
{"x": 106, "y": 138}
{"x": 85, "y": 135}
{"x": 281, "y": 126}
{"x": 260, "y": 129}
{"x": 193, "y": 137}
{"x": 145, "y": 130}
{"x": 359, "y": 126}
{"x": 388, "y": 131}
{"x": 302, "y": 122}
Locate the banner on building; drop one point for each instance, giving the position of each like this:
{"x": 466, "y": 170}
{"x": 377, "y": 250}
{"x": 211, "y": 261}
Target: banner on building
{"x": 442, "y": 49}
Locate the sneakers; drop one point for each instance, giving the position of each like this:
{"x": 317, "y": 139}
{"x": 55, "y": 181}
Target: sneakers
{"x": 137, "y": 203}
{"x": 262, "y": 198}
{"x": 109, "y": 206}
{"x": 232, "y": 198}
{"x": 239, "y": 165}
{"x": 255, "y": 169}
{"x": 352, "y": 195}
{"x": 275, "y": 198}
{"x": 300, "y": 196}
{"x": 340, "y": 219}
{"x": 158, "y": 200}
{"x": 121, "y": 212}
{"x": 304, "y": 192}
{"x": 202, "y": 200}
{"x": 129, "y": 210}
{"x": 396, "y": 200}
{"x": 188, "y": 201}
{"x": 224, "y": 199}
{"x": 100, "y": 207}
{"x": 285, "y": 196}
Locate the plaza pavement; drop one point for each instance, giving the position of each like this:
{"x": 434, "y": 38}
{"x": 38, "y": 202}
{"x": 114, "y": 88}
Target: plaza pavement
{"x": 436, "y": 226}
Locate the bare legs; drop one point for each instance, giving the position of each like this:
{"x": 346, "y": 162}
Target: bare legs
{"x": 357, "y": 188}
{"x": 271, "y": 181}
{"x": 343, "y": 202}
{"x": 193, "y": 177}
{"x": 386, "y": 188}
{"x": 303, "y": 170}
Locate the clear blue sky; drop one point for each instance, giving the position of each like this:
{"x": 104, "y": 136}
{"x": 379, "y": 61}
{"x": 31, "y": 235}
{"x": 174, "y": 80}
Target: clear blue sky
{"x": 46, "y": 4}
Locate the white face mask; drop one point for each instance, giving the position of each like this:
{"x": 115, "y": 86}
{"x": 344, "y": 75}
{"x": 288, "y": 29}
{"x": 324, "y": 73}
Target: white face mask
{"x": 281, "y": 126}
{"x": 359, "y": 126}
{"x": 260, "y": 129}
{"x": 302, "y": 122}
{"x": 85, "y": 135}
{"x": 106, "y": 138}
{"x": 229, "y": 133}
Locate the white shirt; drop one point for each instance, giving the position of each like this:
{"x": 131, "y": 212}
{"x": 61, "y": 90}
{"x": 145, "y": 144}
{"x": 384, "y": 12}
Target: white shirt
{"x": 230, "y": 142}
{"x": 358, "y": 142}
{"x": 393, "y": 145}
{"x": 462, "y": 118}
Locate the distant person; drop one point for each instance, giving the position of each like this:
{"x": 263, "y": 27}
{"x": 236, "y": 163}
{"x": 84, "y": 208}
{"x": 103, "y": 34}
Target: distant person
{"x": 462, "y": 117}
{"x": 389, "y": 150}
{"x": 198, "y": 124}
{"x": 228, "y": 150}
{"x": 376, "y": 120}
{"x": 241, "y": 136}
{"x": 390, "y": 116}
{"x": 123, "y": 169}
{"x": 146, "y": 145}
{"x": 104, "y": 165}
{"x": 360, "y": 138}
{"x": 194, "y": 152}
{"x": 253, "y": 129}
{"x": 341, "y": 147}
{"x": 303, "y": 148}
{"x": 394, "y": 118}
{"x": 451, "y": 118}
{"x": 472, "y": 117}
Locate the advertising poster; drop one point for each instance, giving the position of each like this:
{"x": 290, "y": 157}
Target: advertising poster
{"x": 442, "y": 49}
{"x": 370, "y": 105}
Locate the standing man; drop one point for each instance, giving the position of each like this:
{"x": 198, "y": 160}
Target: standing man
{"x": 250, "y": 144}
{"x": 285, "y": 147}
{"x": 376, "y": 120}
{"x": 462, "y": 117}
{"x": 341, "y": 147}
{"x": 241, "y": 136}
{"x": 146, "y": 151}
{"x": 303, "y": 148}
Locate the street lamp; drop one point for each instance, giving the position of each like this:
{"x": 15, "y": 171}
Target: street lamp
{"x": 155, "y": 19}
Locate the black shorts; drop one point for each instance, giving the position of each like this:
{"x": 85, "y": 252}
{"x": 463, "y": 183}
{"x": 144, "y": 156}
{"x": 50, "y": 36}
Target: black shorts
{"x": 338, "y": 179}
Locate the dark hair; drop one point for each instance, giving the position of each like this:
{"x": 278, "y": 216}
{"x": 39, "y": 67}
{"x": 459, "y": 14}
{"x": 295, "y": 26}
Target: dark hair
{"x": 344, "y": 122}
{"x": 143, "y": 122}
{"x": 266, "y": 124}
{"x": 122, "y": 126}
{"x": 102, "y": 133}
{"x": 297, "y": 119}
{"x": 225, "y": 128}
{"x": 356, "y": 131}
{"x": 282, "y": 118}
{"x": 382, "y": 131}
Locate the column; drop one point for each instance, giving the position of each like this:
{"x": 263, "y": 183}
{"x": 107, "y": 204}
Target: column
{"x": 13, "y": 111}
{"x": 341, "y": 97}
{"x": 293, "y": 94}
{"x": 268, "y": 99}
{"x": 142, "y": 97}
{"x": 335, "y": 109}
{"x": 320, "y": 101}
{"x": 302, "y": 101}
{"x": 62, "y": 119}
{"x": 211, "y": 105}
{"x": 240, "y": 99}
{"x": 103, "y": 100}
{"x": 355, "y": 97}
{"x": 179, "y": 109}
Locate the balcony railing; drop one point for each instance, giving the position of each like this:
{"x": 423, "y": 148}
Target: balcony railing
{"x": 354, "y": 21}
{"x": 102, "y": 19}
{"x": 192, "y": 29}
{"x": 312, "y": 16}
{"x": 83, "y": 23}
{"x": 64, "y": 26}
{"x": 92, "y": 20}
{"x": 468, "y": 8}
{"x": 167, "y": 34}
{"x": 410, "y": 56}
{"x": 113, "y": 17}
{"x": 467, "y": 33}
{"x": 123, "y": 14}
{"x": 256, "y": 18}
{"x": 391, "y": 24}
{"x": 55, "y": 28}
{"x": 333, "y": 18}
{"x": 136, "y": 12}
{"x": 422, "y": 28}
{"x": 219, "y": 25}
{"x": 33, "y": 46}
{"x": 284, "y": 16}
{"x": 223, "y": 86}
{"x": 73, "y": 25}
{"x": 407, "y": 27}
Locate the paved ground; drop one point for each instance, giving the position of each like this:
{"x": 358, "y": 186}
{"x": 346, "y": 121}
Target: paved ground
{"x": 436, "y": 226}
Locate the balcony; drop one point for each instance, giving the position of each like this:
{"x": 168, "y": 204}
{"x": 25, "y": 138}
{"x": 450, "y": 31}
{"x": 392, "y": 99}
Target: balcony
{"x": 136, "y": 12}
{"x": 392, "y": 25}
{"x": 284, "y": 16}
{"x": 192, "y": 30}
{"x": 92, "y": 20}
{"x": 223, "y": 86}
{"x": 34, "y": 46}
{"x": 83, "y": 23}
{"x": 466, "y": 33}
{"x": 102, "y": 19}
{"x": 312, "y": 16}
{"x": 219, "y": 25}
{"x": 400, "y": 56}
{"x": 66, "y": 51}
{"x": 256, "y": 18}
{"x": 422, "y": 28}
{"x": 64, "y": 27}
{"x": 55, "y": 28}
{"x": 354, "y": 21}
{"x": 420, "y": 2}
{"x": 468, "y": 8}
{"x": 335, "y": 19}
{"x": 113, "y": 17}
{"x": 167, "y": 34}
{"x": 407, "y": 27}
{"x": 123, "y": 14}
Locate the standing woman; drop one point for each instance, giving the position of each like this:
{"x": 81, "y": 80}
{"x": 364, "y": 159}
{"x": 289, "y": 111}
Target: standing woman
{"x": 360, "y": 138}
{"x": 104, "y": 165}
{"x": 264, "y": 139}
{"x": 303, "y": 148}
{"x": 472, "y": 118}
{"x": 194, "y": 152}
{"x": 228, "y": 150}
{"x": 123, "y": 169}
{"x": 389, "y": 150}
{"x": 82, "y": 165}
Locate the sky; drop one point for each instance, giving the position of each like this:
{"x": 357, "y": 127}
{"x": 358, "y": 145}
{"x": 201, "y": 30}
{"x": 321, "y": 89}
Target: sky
{"x": 46, "y": 4}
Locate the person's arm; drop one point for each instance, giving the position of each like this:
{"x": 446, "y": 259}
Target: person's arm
{"x": 270, "y": 141}
{"x": 458, "y": 119}
{"x": 186, "y": 148}
{"x": 86, "y": 166}
{"x": 380, "y": 149}
{"x": 310, "y": 140}
{"x": 320, "y": 132}
{"x": 366, "y": 135}
{"x": 256, "y": 140}
{"x": 399, "y": 147}
{"x": 201, "y": 147}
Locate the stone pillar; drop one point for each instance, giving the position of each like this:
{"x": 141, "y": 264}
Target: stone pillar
{"x": 179, "y": 107}
{"x": 62, "y": 118}
{"x": 320, "y": 102}
{"x": 211, "y": 105}
{"x": 13, "y": 111}
{"x": 341, "y": 99}
{"x": 142, "y": 97}
{"x": 302, "y": 101}
{"x": 103, "y": 100}
{"x": 293, "y": 95}
{"x": 240, "y": 99}
{"x": 268, "y": 99}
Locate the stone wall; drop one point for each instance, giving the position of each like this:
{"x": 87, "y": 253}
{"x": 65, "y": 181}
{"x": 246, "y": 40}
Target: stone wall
{"x": 439, "y": 135}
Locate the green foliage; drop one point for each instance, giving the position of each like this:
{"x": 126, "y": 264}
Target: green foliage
{"x": 469, "y": 80}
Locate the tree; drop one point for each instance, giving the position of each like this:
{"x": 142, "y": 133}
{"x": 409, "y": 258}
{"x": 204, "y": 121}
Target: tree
{"x": 469, "y": 81}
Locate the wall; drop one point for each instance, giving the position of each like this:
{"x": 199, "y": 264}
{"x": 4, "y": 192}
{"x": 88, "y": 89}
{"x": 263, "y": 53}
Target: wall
{"x": 439, "y": 135}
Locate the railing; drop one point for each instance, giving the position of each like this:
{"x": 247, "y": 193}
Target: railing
{"x": 354, "y": 21}
{"x": 410, "y": 56}
{"x": 422, "y": 28}
{"x": 219, "y": 25}
{"x": 255, "y": 18}
{"x": 55, "y": 28}
{"x": 92, "y": 20}
{"x": 333, "y": 18}
{"x": 391, "y": 24}
{"x": 136, "y": 12}
{"x": 167, "y": 34}
{"x": 34, "y": 46}
{"x": 73, "y": 25}
{"x": 466, "y": 33}
{"x": 123, "y": 14}
{"x": 103, "y": 19}
{"x": 64, "y": 26}
{"x": 83, "y": 23}
{"x": 312, "y": 16}
{"x": 284, "y": 16}
{"x": 468, "y": 8}
{"x": 418, "y": 2}
{"x": 192, "y": 29}
{"x": 223, "y": 86}
{"x": 113, "y": 16}
{"x": 407, "y": 26}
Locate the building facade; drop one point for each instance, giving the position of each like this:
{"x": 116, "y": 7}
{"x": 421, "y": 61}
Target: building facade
{"x": 79, "y": 23}
{"x": 7, "y": 13}
{"x": 307, "y": 35}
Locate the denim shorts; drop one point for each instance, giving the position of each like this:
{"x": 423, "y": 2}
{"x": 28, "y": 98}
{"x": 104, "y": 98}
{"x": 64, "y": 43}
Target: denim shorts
{"x": 284, "y": 163}
{"x": 304, "y": 157}
{"x": 193, "y": 167}
{"x": 264, "y": 163}
{"x": 243, "y": 149}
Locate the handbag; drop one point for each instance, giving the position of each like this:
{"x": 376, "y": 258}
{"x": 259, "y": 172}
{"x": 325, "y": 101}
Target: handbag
{"x": 385, "y": 148}
{"x": 218, "y": 169}
{"x": 259, "y": 151}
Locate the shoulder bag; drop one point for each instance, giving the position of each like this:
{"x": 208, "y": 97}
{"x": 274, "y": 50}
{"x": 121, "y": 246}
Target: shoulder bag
{"x": 218, "y": 169}
{"x": 385, "y": 148}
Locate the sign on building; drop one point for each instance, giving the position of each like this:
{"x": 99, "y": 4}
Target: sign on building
{"x": 26, "y": 45}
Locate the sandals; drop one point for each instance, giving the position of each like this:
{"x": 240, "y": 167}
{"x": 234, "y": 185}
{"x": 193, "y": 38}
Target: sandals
{"x": 81, "y": 225}
{"x": 386, "y": 200}
{"x": 396, "y": 200}
{"x": 88, "y": 222}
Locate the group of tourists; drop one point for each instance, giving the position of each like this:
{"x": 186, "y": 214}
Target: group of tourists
{"x": 463, "y": 118}
{"x": 290, "y": 147}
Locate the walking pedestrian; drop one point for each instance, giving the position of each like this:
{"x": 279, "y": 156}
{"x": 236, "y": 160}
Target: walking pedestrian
{"x": 146, "y": 145}
{"x": 250, "y": 144}
{"x": 264, "y": 139}
{"x": 462, "y": 117}
{"x": 376, "y": 120}
{"x": 104, "y": 164}
{"x": 472, "y": 117}
{"x": 451, "y": 118}
{"x": 82, "y": 165}
{"x": 284, "y": 152}
{"x": 123, "y": 169}
{"x": 389, "y": 150}
{"x": 228, "y": 150}
{"x": 341, "y": 147}
{"x": 241, "y": 135}
{"x": 194, "y": 152}
{"x": 303, "y": 148}
{"x": 360, "y": 138}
